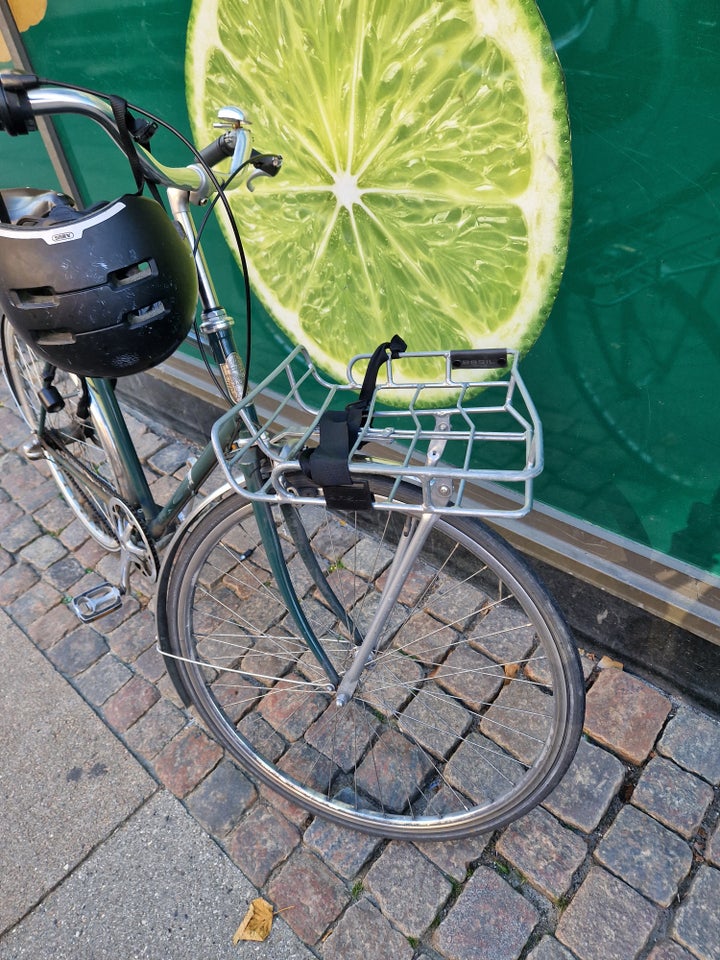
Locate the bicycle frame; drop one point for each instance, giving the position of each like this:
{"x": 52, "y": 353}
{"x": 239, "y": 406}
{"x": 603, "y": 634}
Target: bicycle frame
{"x": 160, "y": 519}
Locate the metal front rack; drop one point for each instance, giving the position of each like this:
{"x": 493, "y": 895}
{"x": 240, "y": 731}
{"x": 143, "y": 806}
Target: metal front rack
{"x": 440, "y": 421}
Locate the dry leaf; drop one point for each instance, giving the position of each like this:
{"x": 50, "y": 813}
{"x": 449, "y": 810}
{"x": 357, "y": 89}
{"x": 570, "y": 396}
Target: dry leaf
{"x": 256, "y": 923}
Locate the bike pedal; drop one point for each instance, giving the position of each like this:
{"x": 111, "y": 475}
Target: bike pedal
{"x": 96, "y": 602}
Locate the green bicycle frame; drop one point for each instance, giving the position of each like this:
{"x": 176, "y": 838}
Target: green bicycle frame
{"x": 159, "y": 519}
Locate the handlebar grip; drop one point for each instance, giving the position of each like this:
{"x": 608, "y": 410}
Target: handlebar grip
{"x": 218, "y": 150}
{"x": 16, "y": 114}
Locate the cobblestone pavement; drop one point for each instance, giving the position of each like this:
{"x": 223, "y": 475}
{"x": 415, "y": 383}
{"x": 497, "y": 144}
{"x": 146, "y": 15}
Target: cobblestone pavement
{"x": 621, "y": 862}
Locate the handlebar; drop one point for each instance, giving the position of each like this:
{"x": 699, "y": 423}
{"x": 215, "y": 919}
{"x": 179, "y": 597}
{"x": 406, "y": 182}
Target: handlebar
{"x": 23, "y": 98}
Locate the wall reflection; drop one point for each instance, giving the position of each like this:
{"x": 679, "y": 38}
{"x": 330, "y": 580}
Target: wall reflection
{"x": 632, "y": 432}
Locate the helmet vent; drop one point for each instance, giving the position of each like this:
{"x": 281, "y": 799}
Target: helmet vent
{"x": 54, "y": 338}
{"x": 34, "y": 297}
{"x": 147, "y": 314}
{"x": 132, "y": 274}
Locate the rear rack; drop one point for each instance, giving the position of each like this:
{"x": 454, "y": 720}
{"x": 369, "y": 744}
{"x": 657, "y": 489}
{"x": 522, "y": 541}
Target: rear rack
{"x": 449, "y": 423}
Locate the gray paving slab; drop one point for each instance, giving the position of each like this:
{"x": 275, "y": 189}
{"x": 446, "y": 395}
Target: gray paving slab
{"x": 588, "y": 788}
{"x": 489, "y": 919}
{"x": 65, "y": 781}
{"x": 692, "y": 739}
{"x": 696, "y": 925}
{"x": 160, "y": 889}
{"x": 713, "y": 847}
{"x": 652, "y": 859}
{"x": 550, "y": 949}
{"x": 402, "y": 867}
{"x": 544, "y": 851}
{"x": 607, "y": 920}
{"x": 674, "y": 797}
{"x": 364, "y": 933}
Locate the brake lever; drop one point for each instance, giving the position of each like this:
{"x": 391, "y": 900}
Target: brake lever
{"x": 265, "y": 166}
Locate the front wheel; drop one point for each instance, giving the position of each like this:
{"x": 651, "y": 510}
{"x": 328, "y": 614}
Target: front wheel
{"x": 466, "y": 717}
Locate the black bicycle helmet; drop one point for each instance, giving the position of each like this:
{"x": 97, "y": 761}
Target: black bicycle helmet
{"x": 103, "y": 292}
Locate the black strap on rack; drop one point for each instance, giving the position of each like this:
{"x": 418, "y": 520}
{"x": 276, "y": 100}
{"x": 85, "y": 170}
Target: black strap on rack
{"x": 123, "y": 121}
{"x": 327, "y": 464}
{"x": 133, "y": 131}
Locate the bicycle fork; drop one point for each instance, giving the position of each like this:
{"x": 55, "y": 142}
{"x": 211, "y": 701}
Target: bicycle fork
{"x": 411, "y": 543}
{"x": 417, "y": 529}
{"x": 412, "y": 539}
{"x": 273, "y": 548}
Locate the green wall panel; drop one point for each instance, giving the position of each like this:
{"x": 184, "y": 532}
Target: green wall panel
{"x": 627, "y": 371}
{"x": 628, "y": 368}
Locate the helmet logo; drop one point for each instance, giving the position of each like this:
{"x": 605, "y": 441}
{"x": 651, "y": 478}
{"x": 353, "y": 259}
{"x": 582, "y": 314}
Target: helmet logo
{"x": 62, "y": 237}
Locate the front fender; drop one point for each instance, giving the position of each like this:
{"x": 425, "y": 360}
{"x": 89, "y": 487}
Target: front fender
{"x": 161, "y": 620}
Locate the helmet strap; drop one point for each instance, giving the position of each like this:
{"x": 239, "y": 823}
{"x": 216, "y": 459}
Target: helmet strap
{"x": 124, "y": 121}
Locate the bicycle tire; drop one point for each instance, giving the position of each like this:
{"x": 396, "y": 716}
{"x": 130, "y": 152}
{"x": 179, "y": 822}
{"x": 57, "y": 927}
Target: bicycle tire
{"x": 465, "y": 721}
{"x": 86, "y": 440}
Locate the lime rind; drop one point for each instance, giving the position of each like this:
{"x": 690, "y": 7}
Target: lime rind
{"x": 427, "y": 182}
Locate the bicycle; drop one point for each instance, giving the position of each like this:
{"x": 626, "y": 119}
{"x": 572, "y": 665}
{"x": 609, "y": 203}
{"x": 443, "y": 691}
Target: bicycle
{"x": 337, "y": 613}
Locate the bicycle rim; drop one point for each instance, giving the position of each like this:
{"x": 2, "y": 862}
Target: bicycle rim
{"x": 73, "y": 436}
{"x": 465, "y": 719}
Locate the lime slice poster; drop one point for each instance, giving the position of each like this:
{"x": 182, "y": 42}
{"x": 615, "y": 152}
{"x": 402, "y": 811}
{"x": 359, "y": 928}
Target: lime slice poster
{"x": 427, "y": 180}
